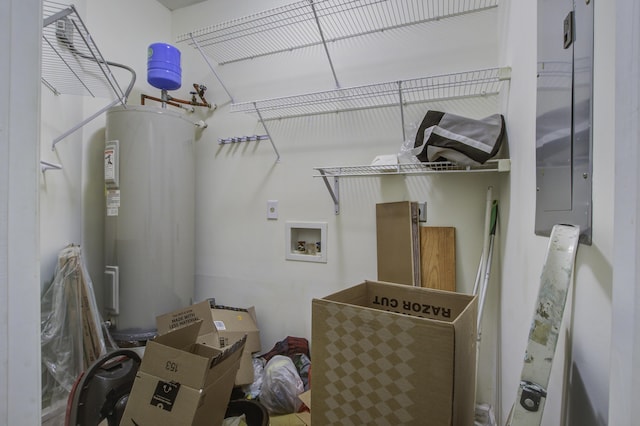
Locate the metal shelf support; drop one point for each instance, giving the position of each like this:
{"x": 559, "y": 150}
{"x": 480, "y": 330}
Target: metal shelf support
{"x": 195, "y": 43}
{"x": 45, "y": 165}
{"x": 334, "y": 191}
{"x": 324, "y": 42}
{"x": 267, "y": 131}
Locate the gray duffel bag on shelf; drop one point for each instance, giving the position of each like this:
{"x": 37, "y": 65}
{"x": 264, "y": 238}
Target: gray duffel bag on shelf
{"x": 447, "y": 137}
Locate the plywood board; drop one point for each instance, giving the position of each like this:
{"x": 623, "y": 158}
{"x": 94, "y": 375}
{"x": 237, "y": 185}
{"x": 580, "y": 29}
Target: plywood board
{"x": 438, "y": 257}
{"x": 398, "y": 242}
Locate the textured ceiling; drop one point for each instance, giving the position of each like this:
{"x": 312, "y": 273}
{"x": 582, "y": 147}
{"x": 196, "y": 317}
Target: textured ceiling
{"x": 177, "y": 4}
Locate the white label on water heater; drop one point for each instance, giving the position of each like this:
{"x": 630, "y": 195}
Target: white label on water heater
{"x": 113, "y": 202}
{"x": 111, "y": 172}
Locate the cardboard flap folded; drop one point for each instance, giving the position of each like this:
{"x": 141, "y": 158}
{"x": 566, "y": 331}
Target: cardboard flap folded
{"x": 183, "y": 338}
{"x": 186, "y": 316}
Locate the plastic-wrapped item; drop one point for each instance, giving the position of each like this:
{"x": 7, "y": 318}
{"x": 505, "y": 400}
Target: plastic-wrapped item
{"x": 303, "y": 365}
{"x": 484, "y": 415}
{"x": 72, "y": 336}
{"x": 281, "y": 386}
{"x": 408, "y": 152}
{"x": 252, "y": 391}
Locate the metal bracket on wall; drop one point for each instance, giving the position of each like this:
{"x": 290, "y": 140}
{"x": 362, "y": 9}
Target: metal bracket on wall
{"x": 195, "y": 43}
{"x": 324, "y": 42}
{"x": 45, "y": 165}
{"x": 333, "y": 191}
{"x": 267, "y": 130}
{"x": 401, "y": 105}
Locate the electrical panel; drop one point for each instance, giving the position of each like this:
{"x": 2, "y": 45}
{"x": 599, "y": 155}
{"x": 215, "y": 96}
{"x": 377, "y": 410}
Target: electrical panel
{"x": 564, "y": 116}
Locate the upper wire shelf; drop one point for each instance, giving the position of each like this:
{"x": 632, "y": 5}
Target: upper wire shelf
{"x": 313, "y": 22}
{"x": 71, "y": 62}
{"x": 405, "y": 92}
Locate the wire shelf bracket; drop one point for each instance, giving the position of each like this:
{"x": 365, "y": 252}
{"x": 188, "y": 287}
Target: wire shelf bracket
{"x": 267, "y": 131}
{"x": 45, "y": 165}
{"x": 72, "y": 63}
{"x": 330, "y": 175}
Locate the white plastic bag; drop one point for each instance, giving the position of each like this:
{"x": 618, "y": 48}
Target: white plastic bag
{"x": 408, "y": 152}
{"x": 281, "y": 386}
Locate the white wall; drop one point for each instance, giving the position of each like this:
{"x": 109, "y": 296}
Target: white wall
{"x": 240, "y": 255}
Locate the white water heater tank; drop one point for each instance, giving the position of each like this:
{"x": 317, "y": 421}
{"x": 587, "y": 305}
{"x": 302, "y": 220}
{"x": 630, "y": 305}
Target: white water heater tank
{"x": 150, "y": 212}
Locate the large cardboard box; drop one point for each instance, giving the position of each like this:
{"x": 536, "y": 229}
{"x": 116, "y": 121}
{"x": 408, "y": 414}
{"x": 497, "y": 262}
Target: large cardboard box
{"x": 181, "y": 382}
{"x": 221, "y": 327}
{"x": 393, "y": 354}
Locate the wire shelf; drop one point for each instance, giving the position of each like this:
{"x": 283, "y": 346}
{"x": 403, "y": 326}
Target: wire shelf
{"x": 313, "y": 22}
{"x": 71, "y": 62}
{"x": 497, "y": 165}
{"x": 331, "y": 175}
{"x": 451, "y": 86}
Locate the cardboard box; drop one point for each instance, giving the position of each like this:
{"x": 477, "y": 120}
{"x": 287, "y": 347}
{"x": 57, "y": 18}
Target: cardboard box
{"x": 286, "y": 420}
{"x": 221, "y": 327}
{"x": 181, "y": 382}
{"x": 393, "y": 354}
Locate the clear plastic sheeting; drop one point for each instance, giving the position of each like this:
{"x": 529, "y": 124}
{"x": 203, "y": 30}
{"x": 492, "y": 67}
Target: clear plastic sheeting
{"x": 484, "y": 415}
{"x": 72, "y": 337}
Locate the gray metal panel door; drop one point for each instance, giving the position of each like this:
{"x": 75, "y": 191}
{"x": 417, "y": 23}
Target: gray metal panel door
{"x": 564, "y": 115}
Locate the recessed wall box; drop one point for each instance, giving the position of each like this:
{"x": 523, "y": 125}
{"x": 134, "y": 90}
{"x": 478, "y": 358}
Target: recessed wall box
{"x": 306, "y": 241}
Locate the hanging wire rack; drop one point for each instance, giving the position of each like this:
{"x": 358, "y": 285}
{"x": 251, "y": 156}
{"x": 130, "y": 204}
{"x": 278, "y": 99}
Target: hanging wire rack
{"x": 313, "y": 22}
{"x": 405, "y": 92}
{"x": 72, "y": 63}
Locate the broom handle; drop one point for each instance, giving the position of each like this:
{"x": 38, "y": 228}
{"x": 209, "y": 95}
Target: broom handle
{"x": 485, "y": 243}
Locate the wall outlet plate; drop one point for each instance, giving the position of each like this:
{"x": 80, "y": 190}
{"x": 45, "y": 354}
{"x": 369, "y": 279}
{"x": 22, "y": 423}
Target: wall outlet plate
{"x": 422, "y": 209}
{"x": 272, "y": 209}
